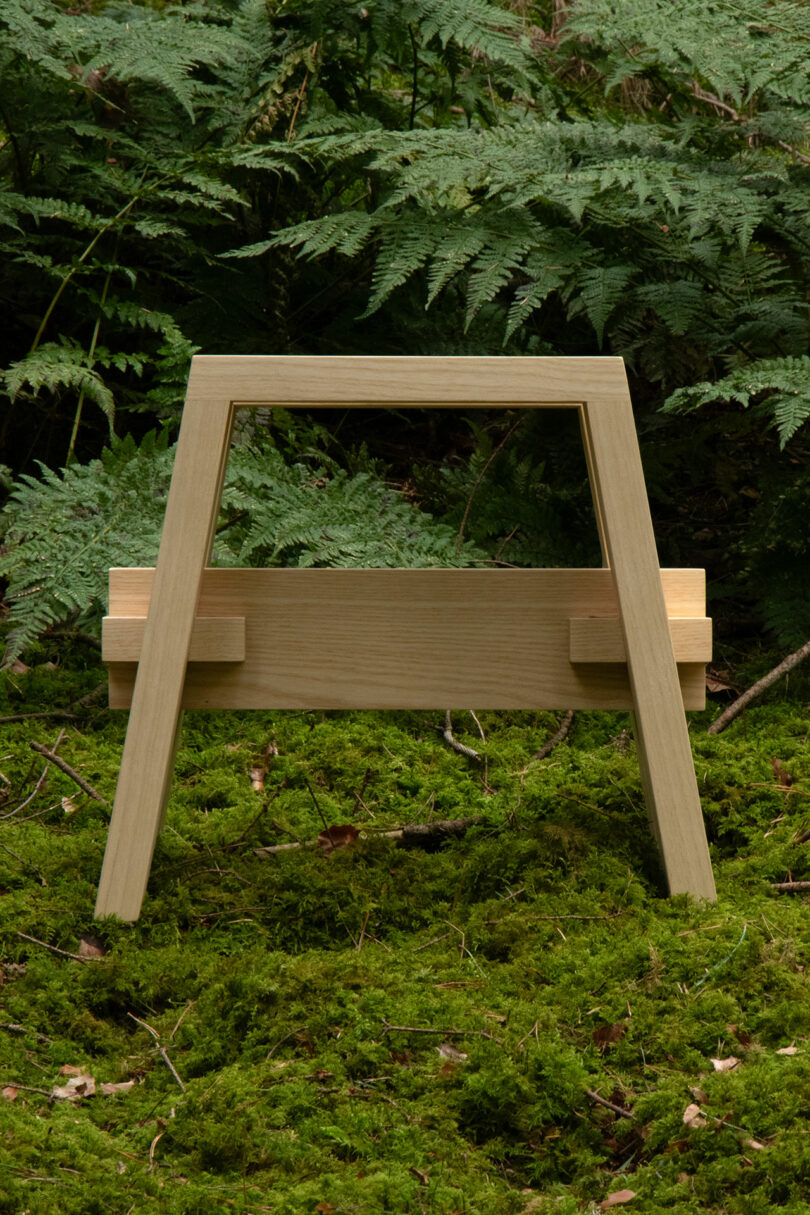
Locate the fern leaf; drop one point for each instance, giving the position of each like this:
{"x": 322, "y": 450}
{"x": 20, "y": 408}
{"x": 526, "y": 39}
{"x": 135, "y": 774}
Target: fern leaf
{"x": 601, "y": 291}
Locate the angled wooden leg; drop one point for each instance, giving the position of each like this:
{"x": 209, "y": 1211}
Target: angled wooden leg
{"x": 665, "y": 753}
{"x": 154, "y": 720}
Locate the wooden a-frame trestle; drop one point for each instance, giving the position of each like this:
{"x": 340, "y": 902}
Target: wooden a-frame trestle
{"x": 627, "y": 636}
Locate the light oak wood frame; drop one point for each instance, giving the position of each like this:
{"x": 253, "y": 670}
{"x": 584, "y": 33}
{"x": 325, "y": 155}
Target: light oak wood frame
{"x": 206, "y": 628}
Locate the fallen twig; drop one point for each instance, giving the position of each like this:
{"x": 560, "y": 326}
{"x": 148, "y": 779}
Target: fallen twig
{"x": 162, "y": 1050}
{"x": 447, "y": 735}
{"x": 790, "y": 887}
{"x": 53, "y": 715}
{"x": 737, "y": 706}
{"x": 13, "y": 1028}
{"x": 27, "y": 1088}
{"x": 75, "y": 957}
{"x": 611, "y": 915}
{"x": 37, "y": 786}
{"x": 66, "y": 768}
{"x": 610, "y": 1105}
{"x": 547, "y": 747}
{"x": 411, "y": 833}
{"x": 445, "y": 1033}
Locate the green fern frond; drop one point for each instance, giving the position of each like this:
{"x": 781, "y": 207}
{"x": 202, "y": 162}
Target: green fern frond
{"x": 779, "y": 387}
{"x": 56, "y": 365}
{"x": 601, "y": 290}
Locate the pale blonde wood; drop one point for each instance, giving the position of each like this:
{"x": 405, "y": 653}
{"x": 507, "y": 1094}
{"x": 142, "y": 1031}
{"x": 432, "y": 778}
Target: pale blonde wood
{"x": 131, "y": 588}
{"x": 490, "y": 639}
{"x": 665, "y": 754}
{"x": 165, "y": 681}
{"x": 602, "y": 640}
{"x": 213, "y": 639}
{"x": 434, "y": 382}
{"x": 149, "y": 750}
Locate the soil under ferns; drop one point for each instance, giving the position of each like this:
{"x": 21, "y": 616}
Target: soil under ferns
{"x": 510, "y": 1019}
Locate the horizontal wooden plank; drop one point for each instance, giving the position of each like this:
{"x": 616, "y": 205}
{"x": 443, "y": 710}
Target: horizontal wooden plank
{"x": 602, "y": 640}
{"x": 213, "y": 639}
{"x": 403, "y": 381}
{"x": 384, "y": 639}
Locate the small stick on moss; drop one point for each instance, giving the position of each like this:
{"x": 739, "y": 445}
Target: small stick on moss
{"x": 162, "y": 1050}
{"x": 410, "y": 833}
{"x": 13, "y": 1028}
{"x": 37, "y": 786}
{"x": 562, "y": 733}
{"x": 737, "y": 706}
{"x": 68, "y": 771}
{"x": 447, "y": 735}
{"x": 75, "y": 957}
{"x": 610, "y": 1105}
{"x": 790, "y": 887}
{"x": 54, "y": 715}
{"x": 27, "y": 1088}
{"x": 445, "y": 1033}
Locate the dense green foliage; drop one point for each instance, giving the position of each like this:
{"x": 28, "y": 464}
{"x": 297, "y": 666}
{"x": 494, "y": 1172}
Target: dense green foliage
{"x": 430, "y": 177}
{"x": 540, "y": 939}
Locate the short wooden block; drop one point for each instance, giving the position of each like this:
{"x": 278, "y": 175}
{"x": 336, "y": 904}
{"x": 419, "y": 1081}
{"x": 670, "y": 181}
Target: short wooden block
{"x": 593, "y": 640}
{"x": 213, "y": 639}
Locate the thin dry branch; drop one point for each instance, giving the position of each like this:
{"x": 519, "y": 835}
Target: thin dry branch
{"x": 790, "y": 887}
{"x": 68, "y": 771}
{"x": 734, "y": 709}
{"x": 566, "y": 721}
{"x": 74, "y": 957}
{"x": 447, "y": 735}
{"x": 161, "y": 1048}
{"x": 411, "y": 833}
{"x": 444, "y": 1033}
{"x": 610, "y": 1105}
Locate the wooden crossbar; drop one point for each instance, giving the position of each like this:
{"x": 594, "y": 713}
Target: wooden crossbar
{"x": 186, "y": 636}
{"x": 407, "y": 639}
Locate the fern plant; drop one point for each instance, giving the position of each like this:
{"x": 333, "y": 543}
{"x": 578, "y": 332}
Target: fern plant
{"x": 64, "y": 531}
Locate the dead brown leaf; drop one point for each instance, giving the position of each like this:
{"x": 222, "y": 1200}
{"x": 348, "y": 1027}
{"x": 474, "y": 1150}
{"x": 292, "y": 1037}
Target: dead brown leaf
{"x": 18, "y": 667}
{"x": 693, "y": 1116}
{"x": 68, "y": 805}
{"x": 613, "y": 1200}
{"x": 10, "y": 1092}
{"x": 716, "y": 681}
{"x": 755, "y": 1144}
{"x": 70, "y": 1069}
{"x": 448, "y": 1051}
{"x": 325, "y": 1208}
{"x": 109, "y": 1090}
{"x": 342, "y": 835}
{"x": 91, "y": 947}
{"x": 788, "y": 1050}
{"x": 606, "y": 1035}
{"x": 783, "y": 777}
{"x": 257, "y": 775}
{"x": 742, "y": 1035}
{"x": 725, "y": 1065}
{"x": 422, "y": 1177}
{"x": 77, "y": 1087}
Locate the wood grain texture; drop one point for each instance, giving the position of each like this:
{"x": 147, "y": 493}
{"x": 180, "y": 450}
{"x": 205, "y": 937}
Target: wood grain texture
{"x": 434, "y": 382}
{"x": 665, "y": 754}
{"x": 476, "y": 660}
{"x": 603, "y": 641}
{"x": 385, "y": 639}
{"x": 149, "y": 750}
{"x": 213, "y": 639}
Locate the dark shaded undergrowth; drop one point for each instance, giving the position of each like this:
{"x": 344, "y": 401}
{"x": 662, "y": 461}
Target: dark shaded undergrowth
{"x": 538, "y": 950}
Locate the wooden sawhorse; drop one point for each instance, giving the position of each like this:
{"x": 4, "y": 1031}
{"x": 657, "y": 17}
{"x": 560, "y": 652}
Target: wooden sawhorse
{"x": 184, "y": 636}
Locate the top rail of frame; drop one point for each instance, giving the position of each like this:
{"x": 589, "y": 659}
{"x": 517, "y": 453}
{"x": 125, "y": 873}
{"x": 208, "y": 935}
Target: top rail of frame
{"x": 393, "y": 381}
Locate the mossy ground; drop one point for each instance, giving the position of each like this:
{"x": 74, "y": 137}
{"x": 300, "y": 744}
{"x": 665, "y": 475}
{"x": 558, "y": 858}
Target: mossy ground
{"x": 270, "y": 981}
